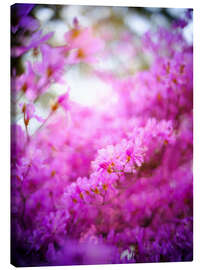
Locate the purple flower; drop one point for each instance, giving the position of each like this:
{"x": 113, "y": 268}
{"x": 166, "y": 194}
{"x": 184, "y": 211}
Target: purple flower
{"x": 20, "y": 18}
{"x": 94, "y": 186}
{"x": 35, "y": 41}
{"x": 51, "y": 68}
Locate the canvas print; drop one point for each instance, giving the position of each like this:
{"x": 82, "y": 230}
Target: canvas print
{"x": 101, "y": 135}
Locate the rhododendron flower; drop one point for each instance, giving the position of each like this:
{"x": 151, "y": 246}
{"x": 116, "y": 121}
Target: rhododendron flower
{"x": 63, "y": 100}
{"x": 180, "y": 23}
{"x": 85, "y": 45}
{"x": 29, "y": 112}
{"x": 27, "y": 82}
{"x": 111, "y": 182}
{"x": 51, "y": 68}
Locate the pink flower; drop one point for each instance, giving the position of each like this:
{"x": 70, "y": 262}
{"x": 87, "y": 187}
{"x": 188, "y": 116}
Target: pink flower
{"x": 27, "y": 82}
{"x": 63, "y": 100}
{"x": 29, "y": 112}
{"x": 18, "y": 140}
{"x": 51, "y": 68}
{"x": 85, "y": 45}
{"x": 91, "y": 179}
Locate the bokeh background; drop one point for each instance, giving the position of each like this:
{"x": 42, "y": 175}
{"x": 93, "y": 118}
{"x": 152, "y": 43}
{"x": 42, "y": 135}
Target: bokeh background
{"x": 112, "y": 24}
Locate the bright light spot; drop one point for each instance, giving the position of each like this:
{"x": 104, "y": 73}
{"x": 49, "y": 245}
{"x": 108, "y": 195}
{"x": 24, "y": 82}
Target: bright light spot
{"x": 128, "y": 253}
{"x": 176, "y": 12}
{"x": 99, "y": 14}
{"x": 70, "y": 12}
{"x": 59, "y": 28}
{"x": 187, "y": 33}
{"x": 137, "y": 23}
{"x": 89, "y": 90}
{"x": 44, "y": 14}
{"x": 160, "y": 20}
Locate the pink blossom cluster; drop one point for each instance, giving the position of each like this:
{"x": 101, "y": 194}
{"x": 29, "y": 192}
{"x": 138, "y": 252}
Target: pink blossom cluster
{"x": 95, "y": 187}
